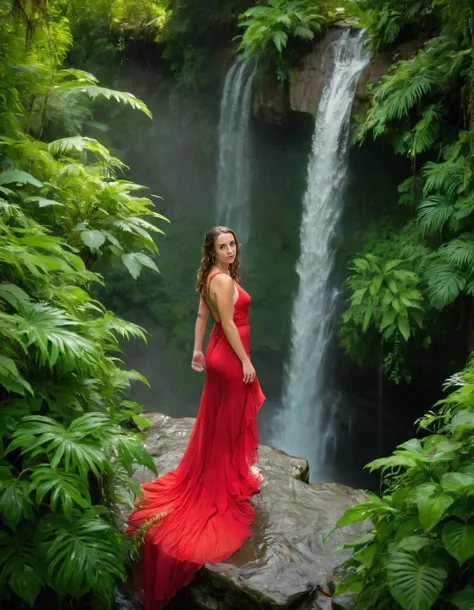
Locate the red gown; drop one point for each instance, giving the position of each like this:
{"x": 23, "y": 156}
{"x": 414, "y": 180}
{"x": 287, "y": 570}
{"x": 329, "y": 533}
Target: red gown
{"x": 206, "y": 497}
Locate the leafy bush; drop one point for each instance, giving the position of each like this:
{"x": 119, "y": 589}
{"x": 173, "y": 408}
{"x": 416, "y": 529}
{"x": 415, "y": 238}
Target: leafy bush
{"x": 419, "y": 553}
{"x": 268, "y": 27}
{"x": 66, "y": 451}
{"x": 424, "y": 106}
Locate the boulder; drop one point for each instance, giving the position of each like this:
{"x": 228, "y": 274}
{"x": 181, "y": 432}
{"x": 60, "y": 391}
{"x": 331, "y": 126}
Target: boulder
{"x": 286, "y": 563}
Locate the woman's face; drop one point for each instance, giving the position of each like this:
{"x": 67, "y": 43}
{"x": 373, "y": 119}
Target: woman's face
{"x": 225, "y": 248}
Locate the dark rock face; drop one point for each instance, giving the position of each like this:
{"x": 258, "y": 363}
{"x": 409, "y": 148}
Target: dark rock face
{"x": 307, "y": 80}
{"x": 286, "y": 561}
{"x": 270, "y": 98}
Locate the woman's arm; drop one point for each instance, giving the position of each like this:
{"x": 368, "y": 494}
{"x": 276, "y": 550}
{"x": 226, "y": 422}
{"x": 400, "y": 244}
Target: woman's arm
{"x": 200, "y": 326}
{"x": 198, "y": 363}
{"x": 224, "y": 293}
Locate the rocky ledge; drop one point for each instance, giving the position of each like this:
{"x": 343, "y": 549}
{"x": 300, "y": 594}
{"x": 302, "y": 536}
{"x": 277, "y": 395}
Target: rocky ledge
{"x": 285, "y": 564}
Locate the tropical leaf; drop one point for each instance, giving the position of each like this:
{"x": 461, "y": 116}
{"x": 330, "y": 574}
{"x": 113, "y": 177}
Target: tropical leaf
{"x": 414, "y": 583}
{"x": 11, "y": 379}
{"x": 432, "y": 503}
{"x": 93, "y": 239}
{"x": 18, "y": 176}
{"x": 82, "y": 554}
{"x": 76, "y": 448}
{"x": 445, "y": 284}
{"x": 463, "y": 599}
{"x": 458, "y": 538}
{"x": 66, "y": 490}
{"x": 19, "y": 564}
{"x": 94, "y": 91}
{"x": 135, "y": 261}
{"x": 15, "y": 502}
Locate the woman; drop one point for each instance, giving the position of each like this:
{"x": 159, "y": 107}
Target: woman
{"x": 207, "y": 514}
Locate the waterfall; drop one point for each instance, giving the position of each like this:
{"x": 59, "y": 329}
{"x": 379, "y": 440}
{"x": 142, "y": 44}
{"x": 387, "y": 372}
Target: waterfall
{"x": 304, "y": 424}
{"x": 233, "y": 174}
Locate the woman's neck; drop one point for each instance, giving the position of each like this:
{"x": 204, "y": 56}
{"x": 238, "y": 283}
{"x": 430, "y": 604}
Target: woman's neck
{"x": 222, "y": 268}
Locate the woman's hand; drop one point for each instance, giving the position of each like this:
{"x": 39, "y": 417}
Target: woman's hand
{"x": 198, "y": 362}
{"x": 249, "y": 371}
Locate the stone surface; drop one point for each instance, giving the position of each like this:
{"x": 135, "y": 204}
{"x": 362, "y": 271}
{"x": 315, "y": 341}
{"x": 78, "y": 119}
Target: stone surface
{"x": 307, "y": 80}
{"x": 286, "y": 561}
{"x": 270, "y": 99}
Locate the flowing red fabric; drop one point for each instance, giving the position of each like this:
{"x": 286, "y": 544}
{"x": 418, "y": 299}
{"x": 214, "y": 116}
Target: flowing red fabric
{"x": 206, "y": 498}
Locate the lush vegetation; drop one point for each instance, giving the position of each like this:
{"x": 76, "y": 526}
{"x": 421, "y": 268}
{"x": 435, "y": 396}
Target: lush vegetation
{"x": 424, "y": 107}
{"x": 415, "y": 273}
{"x": 268, "y": 27}
{"x": 419, "y": 553}
{"x": 67, "y": 454}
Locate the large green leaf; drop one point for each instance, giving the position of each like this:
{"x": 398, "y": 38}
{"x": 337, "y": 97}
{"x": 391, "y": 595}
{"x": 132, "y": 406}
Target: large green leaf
{"x": 13, "y": 294}
{"x": 19, "y": 564}
{"x": 77, "y": 448}
{"x": 83, "y": 554}
{"x": 11, "y": 379}
{"x": 463, "y": 600}
{"x": 432, "y": 503}
{"x": 65, "y": 489}
{"x": 43, "y": 202}
{"x": 414, "y": 583}
{"x": 404, "y": 326}
{"x": 56, "y": 335}
{"x": 93, "y": 239}
{"x": 18, "y": 176}
{"x": 458, "y": 538}
{"x": 360, "y": 512}
{"x": 135, "y": 261}
{"x": 458, "y": 482}
{"x": 15, "y": 502}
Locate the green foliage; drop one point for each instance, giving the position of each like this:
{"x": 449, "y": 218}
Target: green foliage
{"x": 388, "y": 302}
{"x": 66, "y": 451}
{"x": 384, "y": 295}
{"x": 422, "y": 105}
{"x": 268, "y": 27}
{"x": 419, "y": 551}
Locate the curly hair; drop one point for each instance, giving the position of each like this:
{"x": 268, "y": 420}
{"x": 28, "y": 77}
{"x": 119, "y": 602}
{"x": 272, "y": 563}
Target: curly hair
{"x": 207, "y": 260}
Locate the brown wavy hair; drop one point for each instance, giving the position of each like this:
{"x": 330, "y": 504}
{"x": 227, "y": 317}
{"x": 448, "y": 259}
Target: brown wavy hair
{"x": 207, "y": 260}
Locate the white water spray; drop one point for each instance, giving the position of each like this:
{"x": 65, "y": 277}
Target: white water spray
{"x": 303, "y": 427}
{"x": 233, "y": 181}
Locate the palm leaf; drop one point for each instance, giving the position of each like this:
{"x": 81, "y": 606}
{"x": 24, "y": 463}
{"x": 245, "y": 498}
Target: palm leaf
{"x": 65, "y": 489}
{"x": 83, "y": 554}
{"x": 445, "y": 284}
{"x": 434, "y": 212}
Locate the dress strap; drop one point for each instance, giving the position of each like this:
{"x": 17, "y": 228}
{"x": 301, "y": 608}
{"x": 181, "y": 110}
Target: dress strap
{"x": 214, "y": 275}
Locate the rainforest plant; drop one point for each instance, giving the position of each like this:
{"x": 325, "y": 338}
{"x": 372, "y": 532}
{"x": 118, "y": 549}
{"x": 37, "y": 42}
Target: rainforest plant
{"x": 66, "y": 449}
{"x": 269, "y": 27}
{"x": 418, "y": 552}
{"x": 424, "y": 106}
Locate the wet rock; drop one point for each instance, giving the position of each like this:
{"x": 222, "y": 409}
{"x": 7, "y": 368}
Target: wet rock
{"x": 270, "y": 98}
{"x": 307, "y": 80}
{"x": 286, "y": 561}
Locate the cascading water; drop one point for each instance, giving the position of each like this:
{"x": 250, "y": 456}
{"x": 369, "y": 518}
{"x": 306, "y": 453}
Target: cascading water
{"x": 304, "y": 427}
{"x": 233, "y": 176}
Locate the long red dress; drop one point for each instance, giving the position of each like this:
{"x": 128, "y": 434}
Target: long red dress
{"x": 206, "y": 497}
